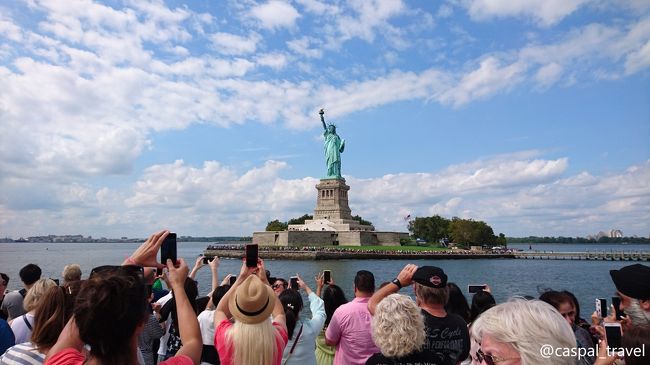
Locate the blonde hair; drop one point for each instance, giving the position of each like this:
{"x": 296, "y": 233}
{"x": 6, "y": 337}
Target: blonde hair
{"x": 36, "y": 292}
{"x": 398, "y": 326}
{"x": 71, "y": 272}
{"x": 527, "y": 326}
{"x": 253, "y": 344}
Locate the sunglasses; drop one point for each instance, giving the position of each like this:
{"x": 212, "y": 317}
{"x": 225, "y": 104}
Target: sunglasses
{"x": 276, "y": 286}
{"x": 491, "y": 359}
{"x": 130, "y": 270}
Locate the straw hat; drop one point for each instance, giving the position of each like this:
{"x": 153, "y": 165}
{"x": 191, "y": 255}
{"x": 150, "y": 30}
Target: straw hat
{"x": 253, "y": 302}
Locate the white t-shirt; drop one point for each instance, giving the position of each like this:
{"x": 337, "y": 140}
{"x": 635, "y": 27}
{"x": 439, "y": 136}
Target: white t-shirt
{"x": 20, "y": 329}
{"x": 162, "y": 350}
{"x": 206, "y": 323}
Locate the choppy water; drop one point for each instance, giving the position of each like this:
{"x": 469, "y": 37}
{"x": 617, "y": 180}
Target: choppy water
{"x": 507, "y": 277}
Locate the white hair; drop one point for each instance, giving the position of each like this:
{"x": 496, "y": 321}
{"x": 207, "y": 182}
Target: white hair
{"x": 398, "y": 326}
{"x": 527, "y": 326}
{"x": 636, "y": 313}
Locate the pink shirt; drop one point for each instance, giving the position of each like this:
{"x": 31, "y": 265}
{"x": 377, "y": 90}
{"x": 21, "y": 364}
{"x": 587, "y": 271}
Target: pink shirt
{"x": 73, "y": 357}
{"x": 350, "y": 329}
{"x": 226, "y": 350}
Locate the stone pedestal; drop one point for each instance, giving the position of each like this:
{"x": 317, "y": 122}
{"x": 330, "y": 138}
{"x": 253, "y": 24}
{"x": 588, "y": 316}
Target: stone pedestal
{"x": 332, "y": 200}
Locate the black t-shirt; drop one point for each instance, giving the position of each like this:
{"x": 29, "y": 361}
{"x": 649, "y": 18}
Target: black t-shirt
{"x": 418, "y": 358}
{"x": 447, "y": 336}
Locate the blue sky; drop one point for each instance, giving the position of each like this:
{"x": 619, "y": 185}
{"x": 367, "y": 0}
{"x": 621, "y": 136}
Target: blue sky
{"x": 123, "y": 117}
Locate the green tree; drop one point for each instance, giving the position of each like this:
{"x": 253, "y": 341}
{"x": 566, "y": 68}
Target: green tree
{"x": 501, "y": 240}
{"x": 468, "y": 232}
{"x": 276, "y": 225}
{"x": 430, "y": 229}
{"x": 363, "y": 221}
{"x": 300, "y": 220}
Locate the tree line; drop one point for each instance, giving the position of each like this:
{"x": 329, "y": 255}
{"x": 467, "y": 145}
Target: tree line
{"x": 277, "y": 225}
{"x": 462, "y": 232}
{"x": 561, "y": 239}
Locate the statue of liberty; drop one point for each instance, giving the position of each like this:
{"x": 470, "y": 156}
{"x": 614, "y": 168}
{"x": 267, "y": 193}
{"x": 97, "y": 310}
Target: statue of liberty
{"x": 334, "y": 146}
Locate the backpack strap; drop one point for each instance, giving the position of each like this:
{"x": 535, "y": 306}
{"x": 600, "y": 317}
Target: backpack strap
{"x": 23, "y": 292}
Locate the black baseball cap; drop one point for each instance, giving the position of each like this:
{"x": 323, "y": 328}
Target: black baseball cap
{"x": 633, "y": 281}
{"x": 430, "y": 276}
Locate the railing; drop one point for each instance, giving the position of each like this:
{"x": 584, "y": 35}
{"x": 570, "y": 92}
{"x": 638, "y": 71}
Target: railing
{"x": 587, "y": 255}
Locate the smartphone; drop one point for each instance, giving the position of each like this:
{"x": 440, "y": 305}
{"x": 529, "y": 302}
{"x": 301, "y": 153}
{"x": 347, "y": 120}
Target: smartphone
{"x": 232, "y": 280}
{"x": 168, "y": 249}
{"x": 601, "y": 307}
{"x": 159, "y": 271}
{"x": 251, "y": 255}
{"x": 293, "y": 282}
{"x": 206, "y": 260}
{"x": 327, "y": 276}
{"x": 616, "y": 303}
{"x": 613, "y": 334}
{"x": 473, "y": 288}
{"x": 56, "y": 281}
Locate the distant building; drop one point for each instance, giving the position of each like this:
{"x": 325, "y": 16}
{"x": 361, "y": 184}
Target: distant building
{"x": 615, "y": 233}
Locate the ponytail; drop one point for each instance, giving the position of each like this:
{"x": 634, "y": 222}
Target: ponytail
{"x": 292, "y": 304}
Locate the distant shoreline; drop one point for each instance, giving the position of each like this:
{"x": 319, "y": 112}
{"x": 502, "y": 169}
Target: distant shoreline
{"x": 324, "y": 254}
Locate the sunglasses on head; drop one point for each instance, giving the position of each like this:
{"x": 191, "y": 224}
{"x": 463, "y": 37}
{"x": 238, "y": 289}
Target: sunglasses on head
{"x": 491, "y": 359}
{"x": 130, "y": 270}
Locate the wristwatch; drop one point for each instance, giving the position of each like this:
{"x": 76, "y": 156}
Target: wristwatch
{"x": 397, "y": 282}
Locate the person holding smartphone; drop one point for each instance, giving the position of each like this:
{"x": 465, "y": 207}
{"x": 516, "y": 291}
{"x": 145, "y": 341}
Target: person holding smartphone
{"x": 302, "y": 334}
{"x": 113, "y": 292}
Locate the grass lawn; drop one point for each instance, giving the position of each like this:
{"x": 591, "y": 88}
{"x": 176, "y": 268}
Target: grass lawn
{"x": 391, "y": 248}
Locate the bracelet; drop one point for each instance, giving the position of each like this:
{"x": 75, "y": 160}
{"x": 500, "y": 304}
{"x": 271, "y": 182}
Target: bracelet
{"x": 397, "y": 282}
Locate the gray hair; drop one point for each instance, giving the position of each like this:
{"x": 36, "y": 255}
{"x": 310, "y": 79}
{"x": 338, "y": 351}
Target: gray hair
{"x": 398, "y": 326}
{"x": 527, "y": 326}
{"x": 637, "y": 314}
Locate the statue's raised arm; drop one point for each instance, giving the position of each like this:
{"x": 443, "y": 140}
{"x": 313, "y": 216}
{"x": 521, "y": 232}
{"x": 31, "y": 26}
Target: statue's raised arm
{"x": 322, "y": 118}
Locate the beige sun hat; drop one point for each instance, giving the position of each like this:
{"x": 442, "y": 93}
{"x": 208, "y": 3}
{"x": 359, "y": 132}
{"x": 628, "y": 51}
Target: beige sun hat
{"x": 252, "y": 302}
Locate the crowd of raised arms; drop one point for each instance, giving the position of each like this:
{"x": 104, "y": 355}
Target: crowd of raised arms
{"x": 123, "y": 315}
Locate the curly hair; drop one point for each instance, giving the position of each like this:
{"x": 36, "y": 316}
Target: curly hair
{"x": 526, "y": 325}
{"x": 398, "y": 326}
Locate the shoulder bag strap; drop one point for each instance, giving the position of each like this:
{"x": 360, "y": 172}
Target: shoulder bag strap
{"x": 27, "y": 322}
{"x": 294, "y": 345}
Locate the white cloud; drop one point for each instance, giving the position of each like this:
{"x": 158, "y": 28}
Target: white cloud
{"x": 232, "y": 44}
{"x": 302, "y": 47}
{"x": 545, "y": 12}
{"x": 273, "y": 60}
{"x": 275, "y": 14}
{"x": 489, "y": 78}
{"x": 514, "y": 194}
{"x": 371, "y": 15}
{"x": 548, "y": 74}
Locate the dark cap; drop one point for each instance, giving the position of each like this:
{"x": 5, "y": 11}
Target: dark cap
{"x": 633, "y": 281}
{"x": 430, "y": 276}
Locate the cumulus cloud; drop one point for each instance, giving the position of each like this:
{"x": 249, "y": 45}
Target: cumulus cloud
{"x": 544, "y": 12}
{"x": 275, "y": 14}
{"x": 517, "y": 194}
{"x": 232, "y": 44}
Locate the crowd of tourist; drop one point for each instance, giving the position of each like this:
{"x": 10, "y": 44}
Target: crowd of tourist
{"x": 125, "y": 315}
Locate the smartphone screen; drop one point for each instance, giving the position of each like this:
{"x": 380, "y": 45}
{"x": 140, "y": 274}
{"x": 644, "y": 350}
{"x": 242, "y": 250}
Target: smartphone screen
{"x": 159, "y": 271}
{"x": 601, "y": 307}
{"x": 475, "y": 288}
{"x": 232, "y": 280}
{"x": 251, "y": 255}
{"x": 327, "y": 276}
{"x": 168, "y": 249}
{"x": 293, "y": 283}
{"x": 613, "y": 334}
{"x": 616, "y": 302}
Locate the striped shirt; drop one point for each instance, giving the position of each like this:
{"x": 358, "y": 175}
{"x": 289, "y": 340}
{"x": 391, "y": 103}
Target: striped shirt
{"x": 22, "y": 354}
